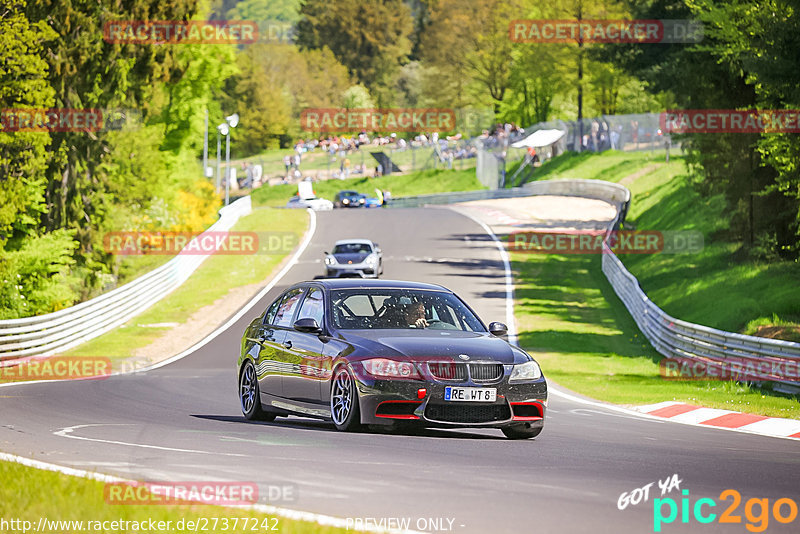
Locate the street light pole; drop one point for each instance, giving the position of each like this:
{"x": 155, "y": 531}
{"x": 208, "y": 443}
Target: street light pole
{"x": 218, "y": 158}
{"x": 232, "y": 121}
{"x": 205, "y": 147}
{"x": 227, "y": 165}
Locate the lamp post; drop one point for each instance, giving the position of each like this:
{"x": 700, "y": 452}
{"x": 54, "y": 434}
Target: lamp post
{"x": 205, "y": 148}
{"x": 230, "y": 121}
{"x": 221, "y": 129}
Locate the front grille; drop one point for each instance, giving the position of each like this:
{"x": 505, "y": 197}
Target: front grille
{"x": 454, "y": 371}
{"x": 451, "y": 413}
{"x": 485, "y": 372}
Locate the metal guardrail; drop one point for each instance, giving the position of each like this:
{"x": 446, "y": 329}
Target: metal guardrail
{"x": 671, "y": 337}
{"x": 67, "y": 328}
{"x": 607, "y": 191}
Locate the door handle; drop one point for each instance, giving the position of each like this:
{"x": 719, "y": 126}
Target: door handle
{"x": 287, "y": 344}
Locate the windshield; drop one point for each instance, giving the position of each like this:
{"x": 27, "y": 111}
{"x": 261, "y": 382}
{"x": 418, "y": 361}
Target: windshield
{"x": 354, "y": 309}
{"x": 352, "y": 248}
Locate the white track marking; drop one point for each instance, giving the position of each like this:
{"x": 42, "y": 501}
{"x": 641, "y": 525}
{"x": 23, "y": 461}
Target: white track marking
{"x": 319, "y": 519}
{"x": 511, "y": 321}
{"x": 68, "y": 433}
{"x": 512, "y": 331}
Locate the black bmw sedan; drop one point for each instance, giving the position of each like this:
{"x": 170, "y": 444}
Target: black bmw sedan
{"x": 360, "y": 352}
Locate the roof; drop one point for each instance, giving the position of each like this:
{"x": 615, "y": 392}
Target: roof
{"x": 358, "y": 283}
{"x": 360, "y": 241}
{"x": 540, "y": 138}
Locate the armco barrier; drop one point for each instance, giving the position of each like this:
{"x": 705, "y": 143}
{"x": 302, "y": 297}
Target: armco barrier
{"x": 597, "y": 189}
{"x": 671, "y": 337}
{"x": 64, "y": 329}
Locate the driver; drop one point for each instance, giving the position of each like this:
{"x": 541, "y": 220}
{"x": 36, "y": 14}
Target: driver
{"x": 415, "y": 315}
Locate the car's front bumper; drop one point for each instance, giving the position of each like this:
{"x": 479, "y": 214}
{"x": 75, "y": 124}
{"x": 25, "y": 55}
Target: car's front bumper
{"x": 363, "y": 270}
{"x": 391, "y": 401}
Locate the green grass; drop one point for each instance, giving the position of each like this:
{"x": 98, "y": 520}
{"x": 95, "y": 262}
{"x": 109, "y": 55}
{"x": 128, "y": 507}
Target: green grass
{"x": 717, "y": 287}
{"x": 211, "y": 281}
{"x": 611, "y": 166}
{"x": 419, "y": 183}
{"x": 585, "y": 340}
{"x": 582, "y": 333}
{"x": 29, "y": 494}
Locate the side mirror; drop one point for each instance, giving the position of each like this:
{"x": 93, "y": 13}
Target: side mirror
{"x": 307, "y": 325}
{"x": 498, "y": 329}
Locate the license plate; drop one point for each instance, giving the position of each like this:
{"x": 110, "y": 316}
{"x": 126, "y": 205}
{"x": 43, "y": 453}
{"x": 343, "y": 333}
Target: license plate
{"x": 470, "y": 394}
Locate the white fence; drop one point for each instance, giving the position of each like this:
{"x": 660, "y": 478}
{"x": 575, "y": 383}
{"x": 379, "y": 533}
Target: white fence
{"x": 67, "y": 328}
{"x": 673, "y": 338}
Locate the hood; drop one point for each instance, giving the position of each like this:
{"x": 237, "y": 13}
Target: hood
{"x": 433, "y": 344}
{"x": 355, "y": 258}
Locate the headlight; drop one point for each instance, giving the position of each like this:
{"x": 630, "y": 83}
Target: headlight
{"x": 385, "y": 368}
{"x": 525, "y": 371}
{"x": 330, "y": 260}
{"x": 345, "y": 201}
{"x": 372, "y": 259}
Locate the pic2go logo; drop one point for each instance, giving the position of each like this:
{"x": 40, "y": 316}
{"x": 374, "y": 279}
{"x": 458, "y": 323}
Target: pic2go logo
{"x": 783, "y": 511}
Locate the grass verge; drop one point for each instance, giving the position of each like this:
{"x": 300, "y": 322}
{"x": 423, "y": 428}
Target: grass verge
{"x": 572, "y": 321}
{"x": 212, "y": 280}
{"x": 584, "y": 336}
{"x": 28, "y": 494}
{"x": 418, "y": 183}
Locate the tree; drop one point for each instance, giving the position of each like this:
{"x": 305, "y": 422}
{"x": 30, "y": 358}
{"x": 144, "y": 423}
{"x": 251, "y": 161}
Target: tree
{"x": 276, "y": 82}
{"x": 467, "y": 41}
{"x": 369, "y": 37}
{"x": 746, "y": 60}
{"x": 33, "y": 267}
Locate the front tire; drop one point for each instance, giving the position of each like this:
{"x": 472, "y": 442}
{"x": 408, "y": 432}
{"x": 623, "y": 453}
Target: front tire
{"x": 522, "y": 431}
{"x": 250, "y": 396}
{"x": 345, "y": 410}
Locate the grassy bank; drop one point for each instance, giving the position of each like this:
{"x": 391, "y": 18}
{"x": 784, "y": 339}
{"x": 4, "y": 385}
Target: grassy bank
{"x": 585, "y": 339}
{"x": 569, "y": 315}
{"x": 212, "y": 280}
{"x": 719, "y": 286}
{"x": 418, "y": 183}
{"x": 29, "y": 494}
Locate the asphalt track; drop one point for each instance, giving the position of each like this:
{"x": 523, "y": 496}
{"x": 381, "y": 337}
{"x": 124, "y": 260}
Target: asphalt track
{"x": 182, "y": 422}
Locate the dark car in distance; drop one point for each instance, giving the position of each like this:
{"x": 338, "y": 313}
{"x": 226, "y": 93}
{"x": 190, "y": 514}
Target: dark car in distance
{"x": 349, "y": 199}
{"x": 376, "y": 352}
